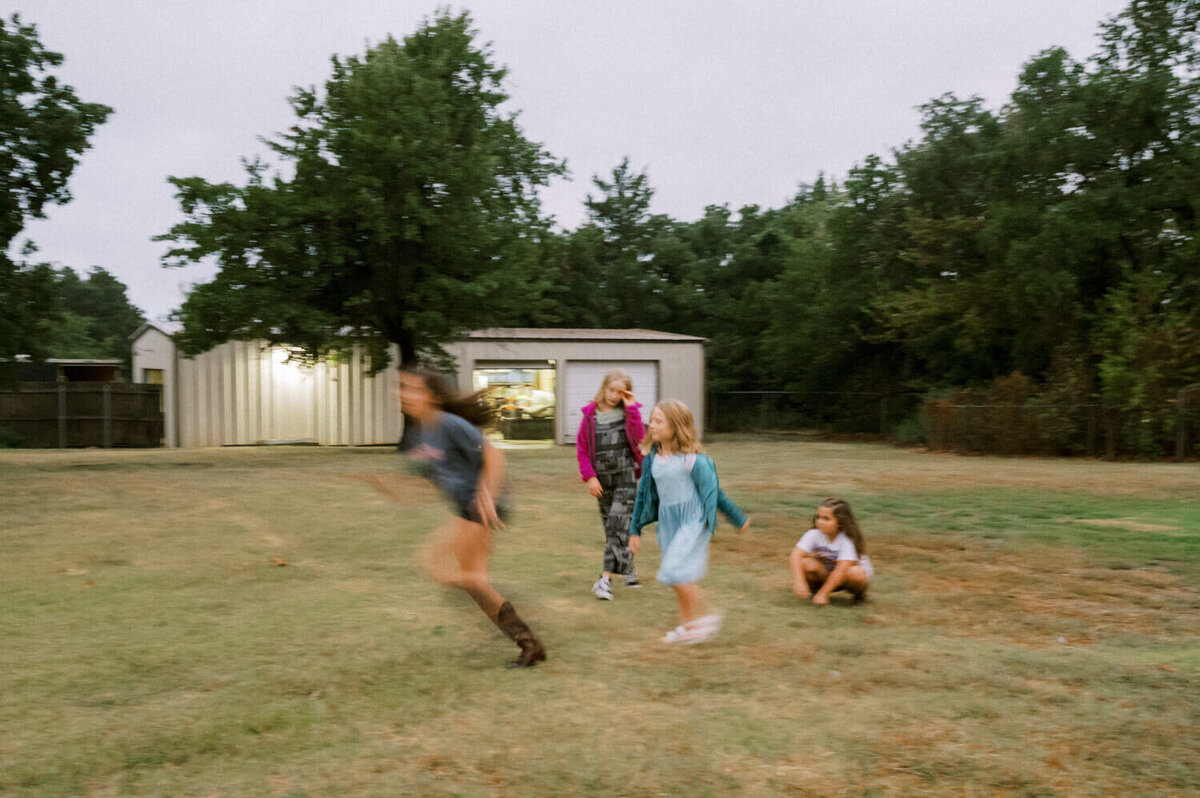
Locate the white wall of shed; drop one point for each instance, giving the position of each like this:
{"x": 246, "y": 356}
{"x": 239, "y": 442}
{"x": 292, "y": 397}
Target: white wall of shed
{"x": 242, "y": 393}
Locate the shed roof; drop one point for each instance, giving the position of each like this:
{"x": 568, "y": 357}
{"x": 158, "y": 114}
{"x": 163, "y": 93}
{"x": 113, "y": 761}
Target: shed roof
{"x": 167, "y": 328}
{"x": 85, "y": 361}
{"x": 577, "y": 334}
{"x": 171, "y": 328}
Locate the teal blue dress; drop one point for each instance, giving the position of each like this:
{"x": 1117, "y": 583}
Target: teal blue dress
{"x": 682, "y": 535}
{"x": 684, "y": 501}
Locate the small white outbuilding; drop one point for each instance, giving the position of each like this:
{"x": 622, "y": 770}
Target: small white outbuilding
{"x": 245, "y": 392}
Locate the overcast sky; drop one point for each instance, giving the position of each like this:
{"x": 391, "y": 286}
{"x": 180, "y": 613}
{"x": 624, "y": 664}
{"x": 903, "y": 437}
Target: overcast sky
{"x": 721, "y": 102}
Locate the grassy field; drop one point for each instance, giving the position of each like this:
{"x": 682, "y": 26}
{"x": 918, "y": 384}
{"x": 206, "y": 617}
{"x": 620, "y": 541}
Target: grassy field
{"x": 252, "y": 622}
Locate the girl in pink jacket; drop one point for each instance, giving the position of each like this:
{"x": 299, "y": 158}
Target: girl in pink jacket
{"x": 610, "y": 461}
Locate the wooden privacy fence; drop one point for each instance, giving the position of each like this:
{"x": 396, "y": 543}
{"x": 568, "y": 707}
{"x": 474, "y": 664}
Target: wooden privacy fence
{"x": 61, "y": 415}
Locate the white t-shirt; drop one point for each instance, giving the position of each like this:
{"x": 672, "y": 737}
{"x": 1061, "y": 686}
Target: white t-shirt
{"x": 841, "y": 548}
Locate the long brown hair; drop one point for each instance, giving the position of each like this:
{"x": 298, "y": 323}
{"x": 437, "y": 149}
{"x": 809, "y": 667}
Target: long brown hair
{"x": 473, "y": 407}
{"x": 846, "y": 522}
{"x": 684, "y": 437}
{"x": 614, "y": 374}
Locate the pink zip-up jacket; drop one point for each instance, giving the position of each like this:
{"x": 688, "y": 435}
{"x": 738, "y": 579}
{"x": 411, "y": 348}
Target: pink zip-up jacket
{"x": 585, "y": 441}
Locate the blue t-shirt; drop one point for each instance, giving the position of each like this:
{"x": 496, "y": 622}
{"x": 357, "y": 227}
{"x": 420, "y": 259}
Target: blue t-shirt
{"x": 449, "y": 451}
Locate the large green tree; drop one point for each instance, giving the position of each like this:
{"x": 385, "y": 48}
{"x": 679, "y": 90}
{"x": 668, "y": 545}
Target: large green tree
{"x": 92, "y": 316}
{"x": 406, "y": 210}
{"x": 44, "y": 127}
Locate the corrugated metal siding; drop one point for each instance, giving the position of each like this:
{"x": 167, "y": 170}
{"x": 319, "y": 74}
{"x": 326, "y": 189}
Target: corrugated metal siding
{"x": 240, "y": 393}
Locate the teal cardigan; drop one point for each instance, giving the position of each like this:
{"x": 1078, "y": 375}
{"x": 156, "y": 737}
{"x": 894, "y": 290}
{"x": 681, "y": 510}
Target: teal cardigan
{"x": 704, "y": 475}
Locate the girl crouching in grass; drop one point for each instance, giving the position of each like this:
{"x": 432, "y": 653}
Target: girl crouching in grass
{"x": 831, "y": 556}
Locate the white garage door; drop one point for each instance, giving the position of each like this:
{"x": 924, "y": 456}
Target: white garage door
{"x": 583, "y": 380}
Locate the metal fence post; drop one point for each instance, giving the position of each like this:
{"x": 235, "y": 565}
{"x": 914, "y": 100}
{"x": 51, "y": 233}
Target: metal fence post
{"x": 107, "y": 415}
{"x": 62, "y": 415}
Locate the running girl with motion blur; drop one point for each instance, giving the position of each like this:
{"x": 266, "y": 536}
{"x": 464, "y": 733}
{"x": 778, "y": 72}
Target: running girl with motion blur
{"x": 453, "y": 453}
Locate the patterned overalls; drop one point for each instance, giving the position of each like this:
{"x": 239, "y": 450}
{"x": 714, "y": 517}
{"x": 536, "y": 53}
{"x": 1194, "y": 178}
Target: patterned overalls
{"x": 616, "y": 470}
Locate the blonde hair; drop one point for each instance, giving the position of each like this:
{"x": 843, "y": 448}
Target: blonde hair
{"x": 846, "y": 522}
{"x": 614, "y": 374}
{"x": 684, "y": 437}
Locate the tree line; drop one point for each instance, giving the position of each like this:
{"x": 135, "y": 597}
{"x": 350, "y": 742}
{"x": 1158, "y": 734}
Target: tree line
{"x": 44, "y": 127}
{"x": 1041, "y": 253}
{"x": 1044, "y": 252}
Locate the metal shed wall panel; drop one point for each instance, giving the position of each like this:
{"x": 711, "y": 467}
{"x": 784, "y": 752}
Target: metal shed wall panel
{"x": 243, "y": 393}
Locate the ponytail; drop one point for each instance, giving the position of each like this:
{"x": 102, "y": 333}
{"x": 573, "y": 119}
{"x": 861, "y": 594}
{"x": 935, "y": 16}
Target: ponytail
{"x": 472, "y": 407}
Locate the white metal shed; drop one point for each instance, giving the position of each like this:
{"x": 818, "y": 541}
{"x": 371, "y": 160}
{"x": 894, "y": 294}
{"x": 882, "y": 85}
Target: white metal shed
{"x": 246, "y": 393}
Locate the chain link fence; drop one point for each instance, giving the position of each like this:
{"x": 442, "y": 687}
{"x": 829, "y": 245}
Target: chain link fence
{"x": 839, "y": 412}
{"x": 1033, "y": 427}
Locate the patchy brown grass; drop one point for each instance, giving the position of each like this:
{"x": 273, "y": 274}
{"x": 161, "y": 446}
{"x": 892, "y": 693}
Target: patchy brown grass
{"x": 1031, "y": 630}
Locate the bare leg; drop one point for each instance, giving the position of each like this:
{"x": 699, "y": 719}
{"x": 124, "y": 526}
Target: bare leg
{"x": 799, "y": 580}
{"x": 691, "y": 602}
{"x": 815, "y": 573}
{"x": 458, "y": 557}
{"x": 855, "y": 581}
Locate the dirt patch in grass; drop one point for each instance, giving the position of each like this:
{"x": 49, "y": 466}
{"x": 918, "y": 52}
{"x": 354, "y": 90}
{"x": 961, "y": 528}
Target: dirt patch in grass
{"x": 1132, "y": 524}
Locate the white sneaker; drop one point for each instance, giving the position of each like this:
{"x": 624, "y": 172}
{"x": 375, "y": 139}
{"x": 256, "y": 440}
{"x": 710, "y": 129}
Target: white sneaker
{"x": 685, "y": 636}
{"x": 603, "y": 589}
{"x": 631, "y": 580}
{"x": 695, "y": 631}
{"x": 709, "y": 624}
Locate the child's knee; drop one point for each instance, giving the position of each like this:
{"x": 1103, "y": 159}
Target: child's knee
{"x": 857, "y": 579}
{"x": 814, "y": 569}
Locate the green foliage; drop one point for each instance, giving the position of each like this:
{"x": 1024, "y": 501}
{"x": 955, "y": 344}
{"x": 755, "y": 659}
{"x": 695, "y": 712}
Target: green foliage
{"x": 93, "y": 317}
{"x": 409, "y": 214}
{"x": 27, "y": 296}
{"x": 44, "y": 127}
{"x": 1056, "y": 238}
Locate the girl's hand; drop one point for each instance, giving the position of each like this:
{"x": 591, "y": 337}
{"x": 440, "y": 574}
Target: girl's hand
{"x": 627, "y": 396}
{"x": 595, "y": 488}
{"x": 802, "y": 590}
{"x": 635, "y": 543}
{"x": 820, "y": 599}
{"x": 744, "y": 526}
{"x": 485, "y": 507}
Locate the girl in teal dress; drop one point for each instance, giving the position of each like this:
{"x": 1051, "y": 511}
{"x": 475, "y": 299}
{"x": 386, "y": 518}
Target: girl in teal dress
{"x": 679, "y": 490}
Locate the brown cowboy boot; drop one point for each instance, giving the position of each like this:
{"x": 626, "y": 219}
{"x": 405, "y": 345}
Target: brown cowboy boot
{"x": 532, "y": 651}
